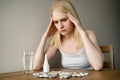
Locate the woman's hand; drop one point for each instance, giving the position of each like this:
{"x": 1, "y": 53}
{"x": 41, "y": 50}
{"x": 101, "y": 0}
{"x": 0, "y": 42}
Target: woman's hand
{"x": 75, "y": 21}
{"x": 51, "y": 29}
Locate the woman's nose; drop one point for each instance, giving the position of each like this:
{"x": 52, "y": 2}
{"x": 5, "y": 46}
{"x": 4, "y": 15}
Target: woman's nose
{"x": 61, "y": 25}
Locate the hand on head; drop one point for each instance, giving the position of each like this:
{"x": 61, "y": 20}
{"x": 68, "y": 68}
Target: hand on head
{"x": 73, "y": 19}
{"x": 51, "y": 28}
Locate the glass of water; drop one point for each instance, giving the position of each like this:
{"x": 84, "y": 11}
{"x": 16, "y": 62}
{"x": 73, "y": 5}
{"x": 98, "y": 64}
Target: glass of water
{"x": 27, "y": 59}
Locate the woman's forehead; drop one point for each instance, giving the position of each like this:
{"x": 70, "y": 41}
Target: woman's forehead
{"x": 56, "y": 15}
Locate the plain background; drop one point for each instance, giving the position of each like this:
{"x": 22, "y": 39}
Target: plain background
{"x": 22, "y": 23}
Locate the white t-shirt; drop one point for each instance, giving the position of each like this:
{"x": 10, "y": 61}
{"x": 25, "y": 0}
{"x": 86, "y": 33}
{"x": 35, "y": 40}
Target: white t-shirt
{"x": 77, "y": 60}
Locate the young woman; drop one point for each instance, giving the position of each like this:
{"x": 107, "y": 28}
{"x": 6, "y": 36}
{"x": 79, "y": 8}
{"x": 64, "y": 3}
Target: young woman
{"x": 78, "y": 46}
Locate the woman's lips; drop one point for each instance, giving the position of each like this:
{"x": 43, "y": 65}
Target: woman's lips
{"x": 63, "y": 30}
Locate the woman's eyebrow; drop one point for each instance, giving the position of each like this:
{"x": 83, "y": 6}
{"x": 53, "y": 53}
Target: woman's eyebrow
{"x": 64, "y": 17}
{"x": 55, "y": 20}
{"x": 60, "y": 19}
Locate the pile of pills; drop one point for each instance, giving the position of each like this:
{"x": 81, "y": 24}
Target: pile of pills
{"x": 65, "y": 75}
{"x": 81, "y": 74}
{"x": 45, "y": 75}
{"x": 61, "y": 74}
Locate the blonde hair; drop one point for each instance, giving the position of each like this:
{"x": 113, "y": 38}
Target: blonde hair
{"x": 65, "y": 6}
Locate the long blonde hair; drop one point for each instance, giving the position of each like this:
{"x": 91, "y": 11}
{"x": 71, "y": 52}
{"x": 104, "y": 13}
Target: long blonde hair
{"x": 65, "y": 6}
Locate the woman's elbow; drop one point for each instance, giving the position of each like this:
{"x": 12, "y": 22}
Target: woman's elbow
{"x": 36, "y": 68}
{"x": 98, "y": 67}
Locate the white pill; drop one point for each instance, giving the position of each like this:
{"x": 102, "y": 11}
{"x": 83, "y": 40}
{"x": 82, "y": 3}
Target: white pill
{"x": 67, "y": 76}
{"x": 41, "y": 76}
{"x": 61, "y": 77}
{"x": 81, "y": 74}
{"x": 45, "y": 75}
{"x": 85, "y": 74}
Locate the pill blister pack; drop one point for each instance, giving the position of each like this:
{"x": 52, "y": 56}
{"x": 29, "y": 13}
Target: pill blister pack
{"x": 45, "y": 75}
{"x": 60, "y": 74}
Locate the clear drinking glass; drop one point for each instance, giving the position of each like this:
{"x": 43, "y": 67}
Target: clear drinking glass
{"x": 27, "y": 59}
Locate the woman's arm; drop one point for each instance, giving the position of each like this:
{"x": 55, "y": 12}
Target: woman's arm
{"x": 39, "y": 55}
{"x": 94, "y": 54}
{"x": 40, "y": 52}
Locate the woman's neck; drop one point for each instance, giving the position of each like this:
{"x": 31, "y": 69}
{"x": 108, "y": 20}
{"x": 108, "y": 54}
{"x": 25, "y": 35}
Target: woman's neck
{"x": 68, "y": 37}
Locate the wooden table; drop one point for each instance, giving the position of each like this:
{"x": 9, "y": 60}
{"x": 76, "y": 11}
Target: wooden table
{"x": 93, "y": 75}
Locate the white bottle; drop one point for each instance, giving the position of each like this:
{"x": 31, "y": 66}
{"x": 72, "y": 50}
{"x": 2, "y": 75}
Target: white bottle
{"x": 46, "y": 67}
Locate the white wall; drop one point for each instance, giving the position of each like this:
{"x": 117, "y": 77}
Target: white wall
{"x": 22, "y": 22}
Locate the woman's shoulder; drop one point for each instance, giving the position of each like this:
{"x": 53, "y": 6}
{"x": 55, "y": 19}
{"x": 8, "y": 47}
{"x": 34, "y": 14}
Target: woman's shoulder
{"x": 89, "y": 31}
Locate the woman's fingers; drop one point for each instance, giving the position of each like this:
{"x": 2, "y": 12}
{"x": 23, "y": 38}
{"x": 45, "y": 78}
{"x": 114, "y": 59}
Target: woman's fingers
{"x": 73, "y": 19}
{"x": 70, "y": 17}
{"x": 50, "y": 23}
{"x": 51, "y": 28}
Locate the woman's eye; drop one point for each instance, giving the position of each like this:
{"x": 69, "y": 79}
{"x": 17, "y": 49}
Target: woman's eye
{"x": 55, "y": 22}
{"x": 65, "y": 19}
